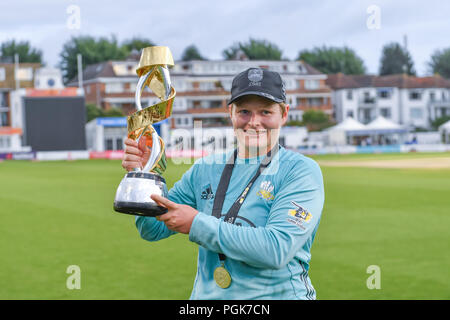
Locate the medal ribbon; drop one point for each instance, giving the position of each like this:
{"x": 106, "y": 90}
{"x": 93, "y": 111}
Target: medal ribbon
{"x": 225, "y": 178}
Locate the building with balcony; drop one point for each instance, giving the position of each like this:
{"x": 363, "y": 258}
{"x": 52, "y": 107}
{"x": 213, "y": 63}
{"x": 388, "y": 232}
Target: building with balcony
{"x": 411, "y": 101}
{"x": 203, "y": 88}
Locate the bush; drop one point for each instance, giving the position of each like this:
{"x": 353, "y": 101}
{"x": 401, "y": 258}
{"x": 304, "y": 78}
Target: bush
{"x": 92, "y": 112}
{"x": 439, "y": 121}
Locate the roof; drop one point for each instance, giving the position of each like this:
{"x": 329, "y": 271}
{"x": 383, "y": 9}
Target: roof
{"x": 380, "y": 125}
{"x": 66, "y": 92}
{"x": 310, "y": 69}
{"x": 383, "y": 123}
{"x": 93, "y": 71}
{"x": 347, "y": 125}
{"x": 343, "y": 81}
{"x": 445, "y": 126}
{"x": 108, "y": 69}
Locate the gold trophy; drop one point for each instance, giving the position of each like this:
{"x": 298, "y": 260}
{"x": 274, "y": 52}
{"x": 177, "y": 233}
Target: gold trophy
{"x": 133, "y": 193}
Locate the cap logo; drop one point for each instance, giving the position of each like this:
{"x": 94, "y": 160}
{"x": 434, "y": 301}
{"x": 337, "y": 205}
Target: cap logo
{"x": 255, "y": 75}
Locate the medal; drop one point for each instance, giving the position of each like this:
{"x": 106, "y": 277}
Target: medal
{"x": 222, "y": 277}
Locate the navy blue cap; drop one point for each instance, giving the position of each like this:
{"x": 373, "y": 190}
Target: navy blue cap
{"x": 260, "y": 82}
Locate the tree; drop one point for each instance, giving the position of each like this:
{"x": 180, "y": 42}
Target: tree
{"x": 26, "y": 53}
{"x": 191, "y": 53}
{"x": 93, "y": 51}
{"x": 316, "y": 120}
{"x": 395, "y": 60}
{"x": 440, "y": 62}
{"x": 439, "y": 121}
{"x": 92, "y": 112}
{"x": 294, "y": 123}
{"x": 254, "y": 50}
{"x": 137, "y": 44}
{"x": 333, "y": 60}
{"x": 114, "y": 112}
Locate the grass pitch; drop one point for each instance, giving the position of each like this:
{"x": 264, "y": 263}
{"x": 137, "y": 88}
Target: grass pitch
{"x": 57, "y": 214}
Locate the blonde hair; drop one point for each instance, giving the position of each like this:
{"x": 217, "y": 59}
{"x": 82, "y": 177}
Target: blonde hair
{"x": 243, "y": 99}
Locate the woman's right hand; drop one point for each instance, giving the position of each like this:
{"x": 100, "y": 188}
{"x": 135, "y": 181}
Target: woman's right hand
{"x": 136, "y": 154}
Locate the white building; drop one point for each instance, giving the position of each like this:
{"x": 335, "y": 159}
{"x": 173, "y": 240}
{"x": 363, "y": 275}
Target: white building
{"x": 48, "y": 78}
{"x": 410, "y": 101}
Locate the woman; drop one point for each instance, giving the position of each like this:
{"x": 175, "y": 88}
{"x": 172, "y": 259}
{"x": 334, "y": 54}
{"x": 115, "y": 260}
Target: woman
{"x": 254, "y": 211}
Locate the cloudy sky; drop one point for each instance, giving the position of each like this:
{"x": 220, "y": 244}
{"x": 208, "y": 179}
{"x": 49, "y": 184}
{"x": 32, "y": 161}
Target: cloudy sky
{"x": 212, "y": 25}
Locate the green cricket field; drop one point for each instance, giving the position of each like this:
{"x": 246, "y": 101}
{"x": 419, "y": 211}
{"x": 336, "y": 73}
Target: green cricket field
{"x": 394, "y": 219}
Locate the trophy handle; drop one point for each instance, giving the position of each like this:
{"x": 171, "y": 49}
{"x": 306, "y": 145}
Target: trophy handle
{"x": 157, "y": 144}
{"x": 155, "y": 152}
{"x": 144, "y": 81}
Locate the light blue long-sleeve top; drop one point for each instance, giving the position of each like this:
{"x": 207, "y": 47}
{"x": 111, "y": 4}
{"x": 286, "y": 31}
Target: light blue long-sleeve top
{"x": 268, "y": 249}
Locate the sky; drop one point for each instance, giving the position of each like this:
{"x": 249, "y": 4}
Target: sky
{"x": 364, "y": 26}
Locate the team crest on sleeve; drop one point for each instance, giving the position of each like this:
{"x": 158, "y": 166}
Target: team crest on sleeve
{"x": 298, "y": 215}
{"x": 265, "y": 190}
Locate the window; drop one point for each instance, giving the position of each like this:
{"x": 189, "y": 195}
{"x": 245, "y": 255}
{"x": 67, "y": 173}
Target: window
{"x": 416, "y": 113}
{"x": 109, "y": 144}
{"x": 415, "y": 95}
{"x": 114, "y": 87}
{"x": 349, "y": 94}
{"x": 290, "y": 84}
{"x": 432, "y": 96}
{"x": 311, "y": 84}
{"x": 350, "y": 114}
{"x": 385, "y": 112}
{"x": 5, "y": 142}
{"x": 215, "y": 104}
{"x": 119, "y": 144}
{"x": 3, "y": 119}
{"x": 366, "y": 115}
{"x": 2, "y": 74}
{"x": 207, "y": 86}
{"x": 315, "y": 101}
{"x": 25, "y": 74}
{"x": 116, "y": 105}
{"x": 384, "y": 93}
{"x": 367, "y": 98}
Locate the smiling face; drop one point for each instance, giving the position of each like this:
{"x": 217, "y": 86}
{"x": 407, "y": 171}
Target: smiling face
{"x": 257, "y": 122}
